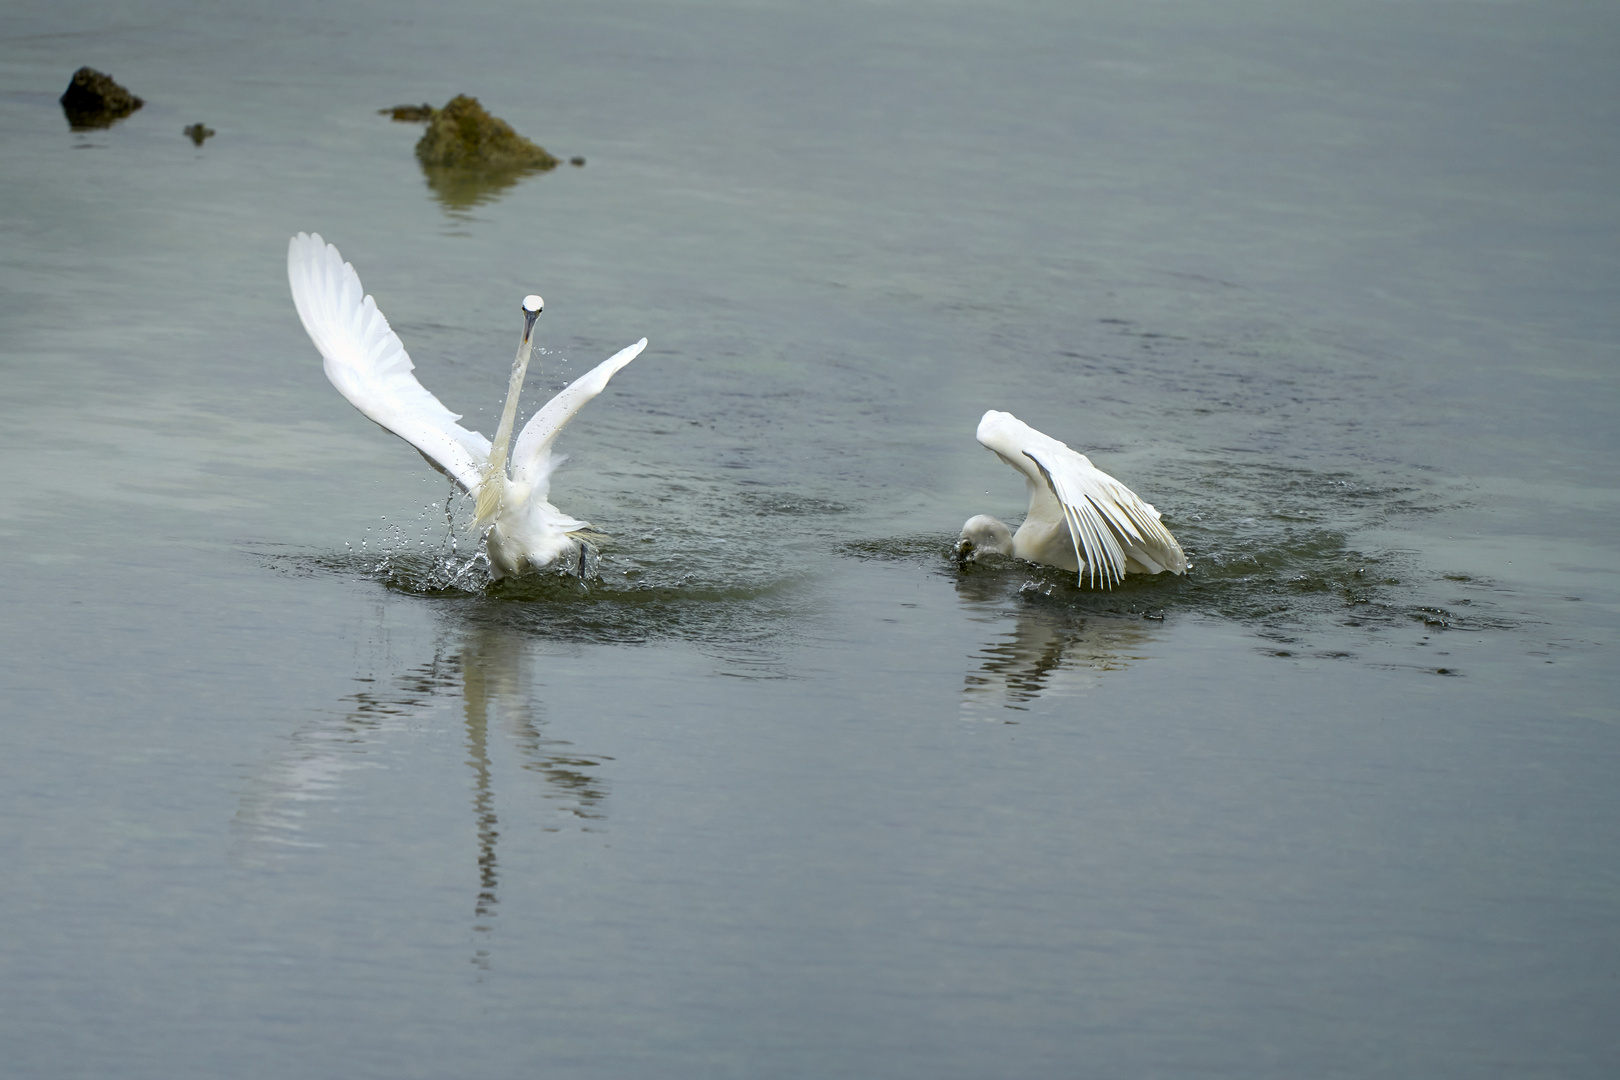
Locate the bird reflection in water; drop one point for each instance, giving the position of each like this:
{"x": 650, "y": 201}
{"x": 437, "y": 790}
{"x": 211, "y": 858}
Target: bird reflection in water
{"x": 496, "y": 688}
{"x": 489, "y": 667}
{"x": 1053, "y": 648}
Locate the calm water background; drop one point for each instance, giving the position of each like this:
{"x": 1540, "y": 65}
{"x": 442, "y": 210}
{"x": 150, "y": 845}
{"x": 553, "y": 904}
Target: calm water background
{"x": 1336, "y": 286}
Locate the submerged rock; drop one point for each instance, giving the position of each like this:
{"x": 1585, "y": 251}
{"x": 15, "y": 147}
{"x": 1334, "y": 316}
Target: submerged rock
{"x": 463, "y": 135}
{"x": 94, "y": 100}
{"x": 198, "y": 133}
{"x": 410, "y": 114}
{"x": 576, "y": 161}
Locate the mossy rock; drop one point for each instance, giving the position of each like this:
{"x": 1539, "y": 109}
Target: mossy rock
{"x": 463, "y": 135}
{"x": 95, "y": 100}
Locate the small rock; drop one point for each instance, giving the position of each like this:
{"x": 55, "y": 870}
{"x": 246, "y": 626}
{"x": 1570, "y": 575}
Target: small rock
{"x": 199, "y": 133}
{"x": 410, "y": 114}
{"x": 94, "y": 100}
{"x": 576, "y": 161}
{"x": 464, "y": 135}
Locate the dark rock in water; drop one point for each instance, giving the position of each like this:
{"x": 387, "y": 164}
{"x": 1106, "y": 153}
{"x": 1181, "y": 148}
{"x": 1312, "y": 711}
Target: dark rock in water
{"x": 576, "y": 161}
{"x": 94, "y": 100}
{"x": 462, "y": 135}
{"x": 199, "y": 133}
{"x": 410, "y": 114}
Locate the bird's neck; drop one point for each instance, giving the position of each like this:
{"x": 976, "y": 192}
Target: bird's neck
{"x": 493, "y": 488}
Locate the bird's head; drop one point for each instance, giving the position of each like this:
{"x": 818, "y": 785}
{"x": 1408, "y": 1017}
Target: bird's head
{"x": 532, "y": 307}
{"x": 982, "y": 535}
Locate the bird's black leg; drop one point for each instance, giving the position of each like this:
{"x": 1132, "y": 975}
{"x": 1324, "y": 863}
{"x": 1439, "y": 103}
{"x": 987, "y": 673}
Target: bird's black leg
{"x": 586, "y": 554}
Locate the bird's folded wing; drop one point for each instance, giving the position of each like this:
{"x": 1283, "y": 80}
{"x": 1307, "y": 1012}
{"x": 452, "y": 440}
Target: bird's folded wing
{"x": 368, "y": 364}
{"x": 531, "y": 456}
{"x": 1106, "y": 519}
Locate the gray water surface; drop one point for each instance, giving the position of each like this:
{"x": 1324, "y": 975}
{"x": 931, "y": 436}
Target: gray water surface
{"x": 785, "y": 792}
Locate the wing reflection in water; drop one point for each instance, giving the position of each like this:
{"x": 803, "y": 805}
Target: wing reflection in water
{"x": 489, "y": 667}
{"x": 281, "y": 795}
{"x": 1053, "y": 648}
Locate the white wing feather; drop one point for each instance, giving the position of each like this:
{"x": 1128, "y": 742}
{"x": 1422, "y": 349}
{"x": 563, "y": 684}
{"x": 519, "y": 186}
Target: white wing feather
{"x": 1107, "y": 522}
{"x": 368, "y": 364}
{"x": 531, "y": 456}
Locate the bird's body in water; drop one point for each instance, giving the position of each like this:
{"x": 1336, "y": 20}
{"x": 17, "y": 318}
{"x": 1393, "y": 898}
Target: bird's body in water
{"x": 366, "y": 361}
{"x": 1079, "y": 519}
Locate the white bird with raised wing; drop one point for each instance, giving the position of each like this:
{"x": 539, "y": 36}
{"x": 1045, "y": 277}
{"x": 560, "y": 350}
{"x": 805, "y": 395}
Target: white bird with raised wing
{"x": 1080, "y": 518}
{"x": 368, "y": 364}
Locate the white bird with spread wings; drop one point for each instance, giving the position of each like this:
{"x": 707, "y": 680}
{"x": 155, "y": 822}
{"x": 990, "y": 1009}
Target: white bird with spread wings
{"x": 368, "y": 364}
{"x": 1080, "y": 518}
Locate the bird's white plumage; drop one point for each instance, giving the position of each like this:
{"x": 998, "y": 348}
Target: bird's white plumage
{"x": 1080, "y": 518}
{"x": 368, "y": 364}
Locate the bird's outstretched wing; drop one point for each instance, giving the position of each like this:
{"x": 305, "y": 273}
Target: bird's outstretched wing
{"x": 1107, "y": 521}
{"x": 368, "y": 364}
{"x": 531, "y": 456}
